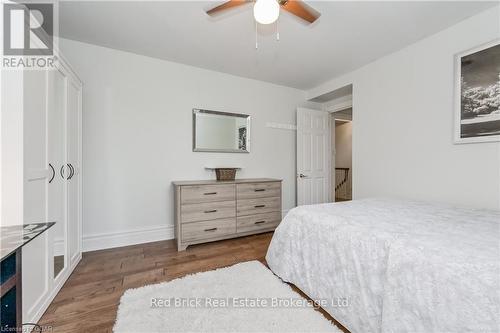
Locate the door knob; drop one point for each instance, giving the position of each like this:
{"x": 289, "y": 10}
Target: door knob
{"x": 302, "y": 176}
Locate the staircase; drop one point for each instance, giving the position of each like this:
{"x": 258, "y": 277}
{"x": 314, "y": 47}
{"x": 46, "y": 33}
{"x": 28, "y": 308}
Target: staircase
{"x": 343, "y": 191}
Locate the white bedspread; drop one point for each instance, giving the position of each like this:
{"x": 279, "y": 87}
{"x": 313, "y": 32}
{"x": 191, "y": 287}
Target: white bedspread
{"x": 403, "y": 266}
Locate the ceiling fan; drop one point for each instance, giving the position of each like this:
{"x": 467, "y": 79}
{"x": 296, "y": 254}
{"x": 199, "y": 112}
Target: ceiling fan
{"x": 268, "y": 11}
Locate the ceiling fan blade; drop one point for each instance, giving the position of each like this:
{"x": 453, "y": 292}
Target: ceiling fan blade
{"x": 227, "y": 5}
{"x": 300, "y": 9}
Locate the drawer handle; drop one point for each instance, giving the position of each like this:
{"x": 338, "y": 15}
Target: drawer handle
{"x": 211, "y": 211}
{"x": 211, "y": 229}
{"x": 260, "y": 222}
{"x": 260, "y": 189}
{"x": 210, "y": 193}
{"x": 260, "y": 206}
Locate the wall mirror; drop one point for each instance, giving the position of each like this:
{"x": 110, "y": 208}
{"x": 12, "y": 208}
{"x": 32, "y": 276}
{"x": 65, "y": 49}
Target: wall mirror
{"x": 222, "y": 132}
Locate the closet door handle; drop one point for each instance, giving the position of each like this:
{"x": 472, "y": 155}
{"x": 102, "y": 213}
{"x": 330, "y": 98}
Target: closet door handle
{"x": 71, "y": 171}
{"x": 53, "y": 173}
{"x": 62, "y": 172}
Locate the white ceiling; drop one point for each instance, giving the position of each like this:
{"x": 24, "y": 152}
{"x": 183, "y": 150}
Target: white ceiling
{"x": 346, "y": 36}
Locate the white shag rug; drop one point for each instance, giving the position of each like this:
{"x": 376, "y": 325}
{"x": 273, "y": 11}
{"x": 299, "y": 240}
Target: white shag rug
{"x": 246, "y": 297}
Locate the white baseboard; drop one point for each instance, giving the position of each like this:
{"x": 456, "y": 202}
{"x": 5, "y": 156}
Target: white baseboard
{"x": 128, "y": 237}
{"x": 131, "y": 237}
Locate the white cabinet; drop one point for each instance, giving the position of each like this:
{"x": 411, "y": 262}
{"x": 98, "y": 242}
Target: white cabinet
{"x": 73, "y": 158}
{"x": 52, "y": 182}
{"x": 35, "y": 256}
{"x": 56, "y": 115}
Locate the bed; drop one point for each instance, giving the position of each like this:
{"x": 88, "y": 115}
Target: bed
{"x": 386, "y": 265}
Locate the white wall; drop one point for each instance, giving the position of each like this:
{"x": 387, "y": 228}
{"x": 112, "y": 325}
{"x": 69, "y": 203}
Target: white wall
{"x": 137, "y": 138}
{"x": 403, "y": 123}
{"x": 343, "y": 103}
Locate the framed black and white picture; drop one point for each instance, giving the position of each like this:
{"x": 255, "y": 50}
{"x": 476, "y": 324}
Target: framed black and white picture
{"x": 477, "y": 94}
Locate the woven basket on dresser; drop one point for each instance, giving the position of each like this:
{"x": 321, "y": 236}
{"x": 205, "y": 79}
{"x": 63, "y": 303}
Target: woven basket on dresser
{"x": 225, "y": 173}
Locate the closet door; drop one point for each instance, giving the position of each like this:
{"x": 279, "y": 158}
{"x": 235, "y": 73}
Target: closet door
{"x": 37, "y": 173}
{"x": 57, "y": 100}
{"x": 73, "y": 136}
{"x": 52, "y": 182}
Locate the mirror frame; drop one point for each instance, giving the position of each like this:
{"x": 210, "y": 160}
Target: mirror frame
{"x": 239, "y": 115}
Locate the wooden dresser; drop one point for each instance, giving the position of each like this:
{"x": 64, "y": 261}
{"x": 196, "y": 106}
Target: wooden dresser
{"x": 211, "y": 210}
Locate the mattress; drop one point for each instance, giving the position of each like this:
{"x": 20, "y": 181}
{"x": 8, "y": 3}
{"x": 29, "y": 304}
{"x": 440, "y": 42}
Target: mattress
{"x": 383, "y": 265}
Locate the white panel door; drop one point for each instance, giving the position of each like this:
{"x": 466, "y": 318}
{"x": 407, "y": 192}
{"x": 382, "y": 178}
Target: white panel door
{"x": 313, "y": 156}
{"x": 73, "y": 162}
{"x": 51, "y": 148}
{"x": 57, "y": 100}
{"x": 36, "y": 264}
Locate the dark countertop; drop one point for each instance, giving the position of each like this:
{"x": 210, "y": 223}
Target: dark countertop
{"x": 16, "y": 236}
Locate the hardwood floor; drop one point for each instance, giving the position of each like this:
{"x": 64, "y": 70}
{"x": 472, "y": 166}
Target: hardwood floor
{"x": 89, "y": 300}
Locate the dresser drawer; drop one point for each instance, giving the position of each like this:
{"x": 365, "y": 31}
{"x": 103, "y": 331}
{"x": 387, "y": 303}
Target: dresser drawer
{"x": 208, "y": 229}
{"x": 258, "y": 190}
{"x": 207, "y": 193}
{"x": 258, "y": 222}
{"x": 258, "y": 205}
{"x": 207, "y": 211}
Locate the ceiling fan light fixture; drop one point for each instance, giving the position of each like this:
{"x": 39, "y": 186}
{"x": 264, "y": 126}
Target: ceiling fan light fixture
{"x": 266, "y": 11}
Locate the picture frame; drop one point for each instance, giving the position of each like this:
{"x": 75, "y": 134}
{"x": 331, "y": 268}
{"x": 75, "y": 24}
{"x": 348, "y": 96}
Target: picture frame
{"x": 477, "y": 94}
